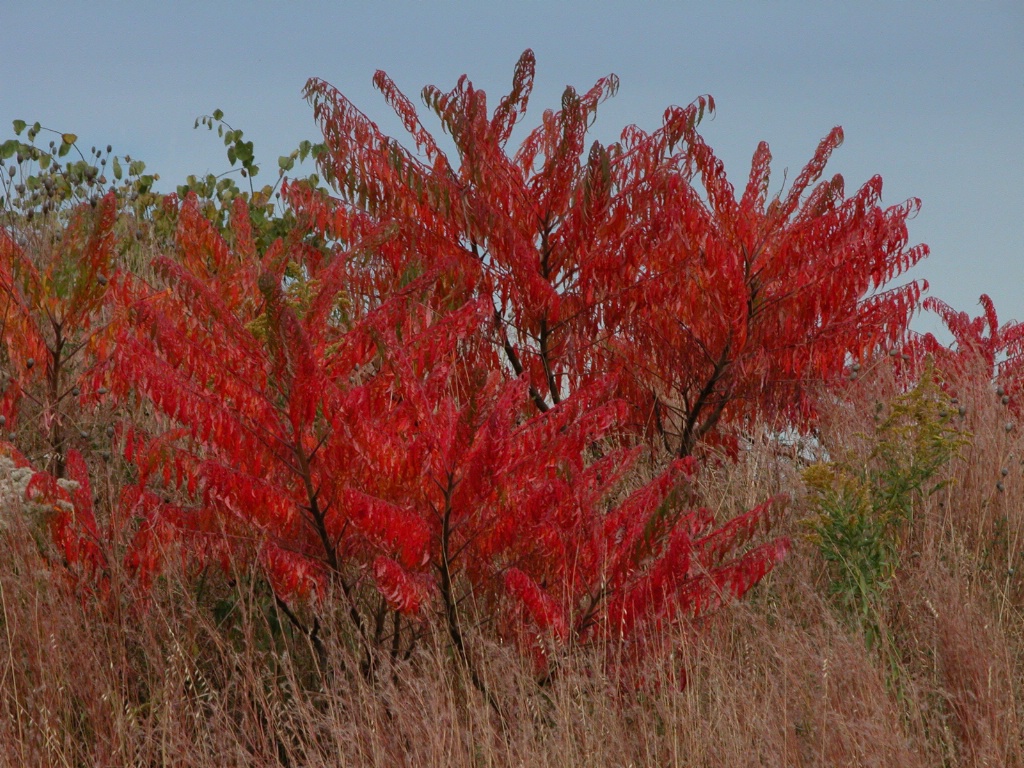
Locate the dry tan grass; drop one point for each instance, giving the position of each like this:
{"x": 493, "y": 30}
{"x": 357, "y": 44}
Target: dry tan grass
{"x": 782, "y": 678}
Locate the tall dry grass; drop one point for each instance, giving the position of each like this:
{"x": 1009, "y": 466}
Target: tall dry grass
{"x": 204, "y": 671}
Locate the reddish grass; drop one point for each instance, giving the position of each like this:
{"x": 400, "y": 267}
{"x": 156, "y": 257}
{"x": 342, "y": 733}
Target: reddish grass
{"x": 211, "y": 674}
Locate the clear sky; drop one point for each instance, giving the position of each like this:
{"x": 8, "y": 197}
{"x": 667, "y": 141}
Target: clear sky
{"x": 930, "y": 94}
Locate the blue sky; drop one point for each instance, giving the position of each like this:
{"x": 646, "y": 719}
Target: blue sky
{"x": 930, "y": 94}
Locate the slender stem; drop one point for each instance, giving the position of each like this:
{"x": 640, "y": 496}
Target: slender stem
{"x": 452, "y": 620}
{"x": 312, "y": 633}
{"x": 693, "y": 431}
{"x": 545, "y": 331}
{"x": 318, "y": 516}
{"x": 55, "y": 436}
{"x": 517, "y": 365}
{"x": 545, "y": 353}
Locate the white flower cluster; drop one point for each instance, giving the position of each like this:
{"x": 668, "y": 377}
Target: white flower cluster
{"x": 14, "y": 482}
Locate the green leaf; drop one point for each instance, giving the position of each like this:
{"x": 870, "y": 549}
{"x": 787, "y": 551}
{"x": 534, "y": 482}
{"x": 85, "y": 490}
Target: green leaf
{"x": 19, "y": 126}
{"x": 232, "y": 156}
{"x": 9, "y": 148}
{"x": 64, "y": 149}
{"x": 244, "y": 152}
{"x": 68, "y": 138}
{"x": 218, "y": 114}
{"x": 117, "y": 169}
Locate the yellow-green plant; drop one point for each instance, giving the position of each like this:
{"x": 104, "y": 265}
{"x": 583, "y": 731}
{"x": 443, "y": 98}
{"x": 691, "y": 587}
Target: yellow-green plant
{"x": 864, "y": 505}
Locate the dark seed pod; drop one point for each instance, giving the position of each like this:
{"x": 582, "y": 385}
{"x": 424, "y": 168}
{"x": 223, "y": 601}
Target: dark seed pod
{"x": 1004, "y": 471}
{"x": 1000, "y": 391}
{"x": 1004, "y": 399}
{"x": 102, "y": 391}
{"x": 1000, "y": 487}
{"x": 30, "y": 363}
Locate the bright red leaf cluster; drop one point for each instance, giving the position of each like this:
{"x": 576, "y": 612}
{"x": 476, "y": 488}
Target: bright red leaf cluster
{"x": 636, "y": 259}
{"x": 382, "y": 451}
{"x": 982, "y": 349}
{"x": 478, "y": 381}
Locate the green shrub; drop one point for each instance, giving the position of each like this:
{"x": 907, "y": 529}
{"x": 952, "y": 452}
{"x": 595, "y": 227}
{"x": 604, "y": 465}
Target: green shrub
{"x": 864, "y": 506}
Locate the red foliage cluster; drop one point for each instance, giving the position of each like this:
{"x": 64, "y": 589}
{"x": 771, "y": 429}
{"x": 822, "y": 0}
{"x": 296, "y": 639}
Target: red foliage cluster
{"x": 982, "y": 349}
{"x": 391, "y": 448}
{"x": 634, "y": 258}
{"x": 53, "y": 288}
{"x": 480, "y": 380}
